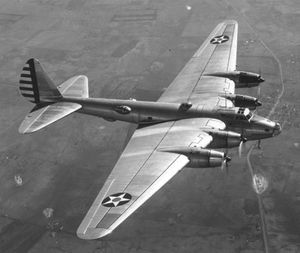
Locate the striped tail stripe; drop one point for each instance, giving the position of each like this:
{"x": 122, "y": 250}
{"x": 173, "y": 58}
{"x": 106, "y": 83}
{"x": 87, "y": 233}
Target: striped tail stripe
{"x": 26, "y": 75}
{"x": 25, "y": 82}
{"x": 28, "y": 86}
{"x": 28, "y": 95}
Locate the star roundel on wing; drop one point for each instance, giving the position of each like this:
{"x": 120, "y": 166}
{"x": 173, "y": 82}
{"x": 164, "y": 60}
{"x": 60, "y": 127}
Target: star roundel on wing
{"x": 219, "y": 39}
{"x": 116, "y": 199}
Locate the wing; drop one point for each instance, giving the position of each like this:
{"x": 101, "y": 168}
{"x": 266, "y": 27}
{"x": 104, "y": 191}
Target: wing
{"x": 141, "y": 171}
{"x": 217, "y": 54}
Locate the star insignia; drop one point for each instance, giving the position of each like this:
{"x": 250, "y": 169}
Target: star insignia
{"x": 219, "y": 39}
{"x": 116, "y": 199}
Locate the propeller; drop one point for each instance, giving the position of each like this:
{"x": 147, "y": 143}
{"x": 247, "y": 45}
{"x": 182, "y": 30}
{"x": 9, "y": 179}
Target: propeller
{"x": 258, "y": 144}
{"x": 258, "y": 91}
{"x": 258, "y": 87}
{"x": 243, "y": 140}
{"x": 224, "y": 164}
{"x": 260, "y": 79}
{"x": 257, "y": 102}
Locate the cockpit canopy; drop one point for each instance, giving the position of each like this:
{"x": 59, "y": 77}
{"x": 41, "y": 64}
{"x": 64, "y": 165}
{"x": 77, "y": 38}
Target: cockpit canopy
{"x": 243, "y": 114}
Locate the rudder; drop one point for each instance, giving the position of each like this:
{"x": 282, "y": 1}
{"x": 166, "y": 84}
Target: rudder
{"x": 36, "y": 85}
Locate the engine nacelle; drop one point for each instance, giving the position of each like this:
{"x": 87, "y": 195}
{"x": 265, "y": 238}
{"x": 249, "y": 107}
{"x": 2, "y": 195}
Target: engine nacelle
{"x": 224, "y": 139}
{"x": 200, "y": 158}
{"x": 243, "y": 101}
{"x": 242, "y": 79}
{"x": 203, "y": 158}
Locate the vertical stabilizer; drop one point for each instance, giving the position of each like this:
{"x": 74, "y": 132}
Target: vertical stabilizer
{"x": 36, "y": 85}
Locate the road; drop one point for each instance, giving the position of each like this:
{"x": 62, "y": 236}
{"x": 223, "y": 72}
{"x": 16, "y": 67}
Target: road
{"x": 134, "y": 49}
{"x": 250, "y": 167}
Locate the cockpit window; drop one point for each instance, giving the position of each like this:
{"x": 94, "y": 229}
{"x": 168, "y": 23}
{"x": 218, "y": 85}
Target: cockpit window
{"x": 249, "y": 115}
{"x": 244, "y": 114}
{"x": 241, "y": 110}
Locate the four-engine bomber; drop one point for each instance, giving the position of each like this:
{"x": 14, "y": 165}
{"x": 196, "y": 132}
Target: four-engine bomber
{"x": 197, "y": 113}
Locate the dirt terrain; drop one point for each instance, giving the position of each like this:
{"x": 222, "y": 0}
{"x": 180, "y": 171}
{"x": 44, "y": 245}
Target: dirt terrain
{"x": 134, "y": 49}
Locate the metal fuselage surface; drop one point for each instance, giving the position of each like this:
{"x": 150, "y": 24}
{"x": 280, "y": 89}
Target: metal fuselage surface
{"x": 144, "y": 113}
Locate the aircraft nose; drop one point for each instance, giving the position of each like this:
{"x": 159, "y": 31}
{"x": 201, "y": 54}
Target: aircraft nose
{"x": 277, "y": 129}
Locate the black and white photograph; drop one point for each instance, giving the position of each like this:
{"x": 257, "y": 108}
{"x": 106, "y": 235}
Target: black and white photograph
{"x": 149, "y": 126}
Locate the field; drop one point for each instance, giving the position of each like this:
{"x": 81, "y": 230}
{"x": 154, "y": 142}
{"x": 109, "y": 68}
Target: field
{"x": 134, "y": 49}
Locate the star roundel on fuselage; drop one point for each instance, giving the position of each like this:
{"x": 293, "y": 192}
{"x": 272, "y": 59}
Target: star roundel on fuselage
{"x": 219, "y": 39}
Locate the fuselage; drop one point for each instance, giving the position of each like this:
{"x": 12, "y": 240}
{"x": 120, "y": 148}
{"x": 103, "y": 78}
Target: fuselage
{"x": 256, "y": 128}
{"x": 241, "y": 120}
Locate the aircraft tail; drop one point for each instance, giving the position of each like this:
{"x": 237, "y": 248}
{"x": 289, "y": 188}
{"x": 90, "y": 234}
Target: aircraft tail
{"x": 38, "y": 88}
{"x": 36, "y": 85}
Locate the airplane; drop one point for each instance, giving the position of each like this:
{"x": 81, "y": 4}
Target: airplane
{"x": 199, "y": 112}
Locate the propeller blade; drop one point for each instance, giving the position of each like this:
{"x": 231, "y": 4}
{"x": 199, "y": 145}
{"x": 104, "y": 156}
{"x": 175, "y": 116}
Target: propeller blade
{"x": 258, "y": 87}
{"x": 223, "y": 165}
{"x": 227, "y": 159}
{"x": 258, "y": 144}
{"x": 241, "y": 146}
{"x": 240, "y": 149}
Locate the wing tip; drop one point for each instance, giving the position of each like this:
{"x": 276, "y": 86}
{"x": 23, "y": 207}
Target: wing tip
{"x": 92, "y": 233}
{"x": 25, "y": 129}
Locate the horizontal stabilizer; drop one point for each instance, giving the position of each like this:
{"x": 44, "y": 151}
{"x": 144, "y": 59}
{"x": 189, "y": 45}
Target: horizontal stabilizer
{"x": 44, "y": 116}
{"x": 76, "y": 87}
